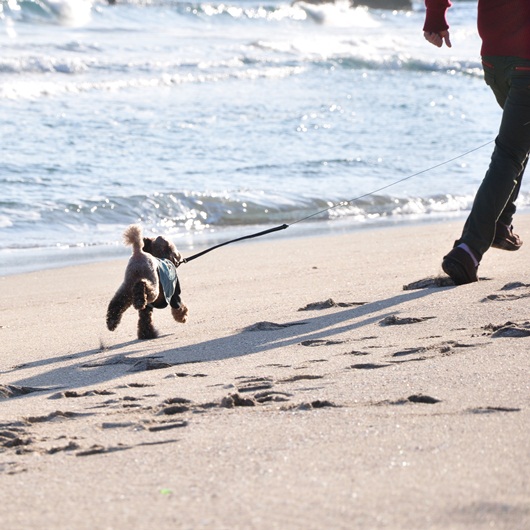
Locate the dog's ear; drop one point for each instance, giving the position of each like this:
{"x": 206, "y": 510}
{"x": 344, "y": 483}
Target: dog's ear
{"x": 162, "y": 246}
{"x": 166, "y": 249}
{"x": 148, "y": 244}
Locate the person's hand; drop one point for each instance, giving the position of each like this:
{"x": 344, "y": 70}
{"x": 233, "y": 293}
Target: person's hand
{"x": 438, "y": 38}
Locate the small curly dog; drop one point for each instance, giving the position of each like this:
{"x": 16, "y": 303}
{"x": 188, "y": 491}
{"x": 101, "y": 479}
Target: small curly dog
{"x": 150, "y": 282}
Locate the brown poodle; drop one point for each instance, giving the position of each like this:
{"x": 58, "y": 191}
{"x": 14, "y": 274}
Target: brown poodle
{"x": 150, "y": 282}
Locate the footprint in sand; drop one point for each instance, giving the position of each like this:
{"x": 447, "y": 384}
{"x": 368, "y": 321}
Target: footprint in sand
{"x": 509, "y": 329}
{"x": 253, "y": 384}
{"x": 428, "y": 352}
{"x": 14, "y": 435}
{"x": 235, "y": 400}
{"x": 430, "y": 282}
{"x": 421, "y": 398}
{"x": 368, "y": 366}
{"x": 101, "y": 449}
{"x": 11, "y": 391}
{"x": 268, "y": 396}
{"x": 522, "y": 291}
{"x": 321, "y": 342}
{"x": 118, "y": 424}
{"x": 271, "y": 326}
{"x": 58, "y": 415}
{"x": 149, "y": 364}
{"x": 177, "y": 400}
{"x": 305, "y": 377}
{"x": 174, "y": 409}
{"x": 491, "y": 410}
{"x": 168, "y": 426}
{"x": 116, "y": 359}
{"x": 184, "y": 374}
{"x": 357, "y": 353}
{"x": 394, "y": 320}
{"x": 414, "y": 398}
{"x": 75, "y": 394}
{"x": 326, "y": 304}
{"x": 70, "y": 446}
{"x": 433, "y": 282}
{"x": 312, "y": 405}
{"x": 97, "y": 449}
{"x": 411, "y": 351}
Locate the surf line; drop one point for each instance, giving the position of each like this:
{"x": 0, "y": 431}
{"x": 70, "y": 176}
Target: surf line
{"x": 342, "y": 203}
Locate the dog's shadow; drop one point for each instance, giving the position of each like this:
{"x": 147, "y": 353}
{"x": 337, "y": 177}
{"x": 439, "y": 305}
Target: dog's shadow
{"x": 107, "y": 364}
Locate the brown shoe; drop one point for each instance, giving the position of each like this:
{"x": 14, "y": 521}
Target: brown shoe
{"x": 460, "y": 267}
{"x": 505, "y": 239}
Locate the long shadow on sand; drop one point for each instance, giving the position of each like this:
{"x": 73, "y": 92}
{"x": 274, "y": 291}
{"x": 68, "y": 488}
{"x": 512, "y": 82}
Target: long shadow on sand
{"x": 104, "y": 367}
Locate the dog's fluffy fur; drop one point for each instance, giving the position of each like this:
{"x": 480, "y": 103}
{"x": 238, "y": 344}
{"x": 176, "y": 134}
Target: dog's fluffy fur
{"x": 141, "y": 286}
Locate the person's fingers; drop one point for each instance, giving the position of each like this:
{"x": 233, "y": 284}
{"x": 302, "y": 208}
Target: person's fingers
{"x": 447, "y": 40}
{"x": 433, "y": 38}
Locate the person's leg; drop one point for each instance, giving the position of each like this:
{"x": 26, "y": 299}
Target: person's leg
{"x": 505, "y": 237}
{"x": 507, "y": 214}
{"x": 509, "y": 79}
{"x": 503, "y": 178}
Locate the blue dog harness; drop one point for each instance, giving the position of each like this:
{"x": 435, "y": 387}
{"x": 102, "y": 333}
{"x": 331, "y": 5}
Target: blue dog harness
{"x": 169, "y": 282}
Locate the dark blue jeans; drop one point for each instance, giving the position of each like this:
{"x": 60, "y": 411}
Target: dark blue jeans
{"x": 509, "y": 78}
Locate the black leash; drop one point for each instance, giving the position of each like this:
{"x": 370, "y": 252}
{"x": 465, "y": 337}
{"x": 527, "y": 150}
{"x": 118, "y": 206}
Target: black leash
{"x": 343, "y": 203}
{"x": 270, "y": 230}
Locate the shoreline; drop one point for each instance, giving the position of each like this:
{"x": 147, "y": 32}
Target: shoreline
{"x": 307, "y": 390}
{"x": 21, "y": 261}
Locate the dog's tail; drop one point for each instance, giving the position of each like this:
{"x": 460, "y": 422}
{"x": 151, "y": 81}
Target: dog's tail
{"x": 140, "y": 295}
{"x": 133, "y": 236}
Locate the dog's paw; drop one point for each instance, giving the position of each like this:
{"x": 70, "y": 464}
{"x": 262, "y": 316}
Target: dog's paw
{"x": 112, "y": 322}
{"x": 180, "y": 314}
{"x": 146, "y": 333}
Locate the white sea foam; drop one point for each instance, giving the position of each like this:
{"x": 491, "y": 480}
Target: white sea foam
{"x": 5, "y": 221}
{"x": 73, "y": 13}
{"x": 338, "y": 14}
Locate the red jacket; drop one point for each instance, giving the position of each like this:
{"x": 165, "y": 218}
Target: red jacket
{"x": 503, "y": 25}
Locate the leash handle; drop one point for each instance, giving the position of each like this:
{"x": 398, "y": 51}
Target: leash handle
{"x": 258, "y": 234}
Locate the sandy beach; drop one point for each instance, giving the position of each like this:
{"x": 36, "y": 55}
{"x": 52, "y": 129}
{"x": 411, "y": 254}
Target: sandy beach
{"x": 309, "y": 389}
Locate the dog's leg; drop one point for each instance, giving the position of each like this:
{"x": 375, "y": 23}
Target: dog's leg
{"x": 143, "y": 293}
{"x": 146, "y": 329}
{"x": 180, "y": 314}
{"x": 118, "y": 305}
{"x": 178, "y": 309}
{"x": 139, "y": 297}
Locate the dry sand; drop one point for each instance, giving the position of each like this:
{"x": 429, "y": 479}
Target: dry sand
{"x": 384, "y": 408}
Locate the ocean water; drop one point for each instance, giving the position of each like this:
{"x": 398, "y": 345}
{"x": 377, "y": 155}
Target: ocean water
{"x": 205, "y": 121}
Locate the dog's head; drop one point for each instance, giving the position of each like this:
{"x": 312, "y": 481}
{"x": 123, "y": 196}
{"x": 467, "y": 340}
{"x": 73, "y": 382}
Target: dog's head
{"x": 161, "y": 248}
